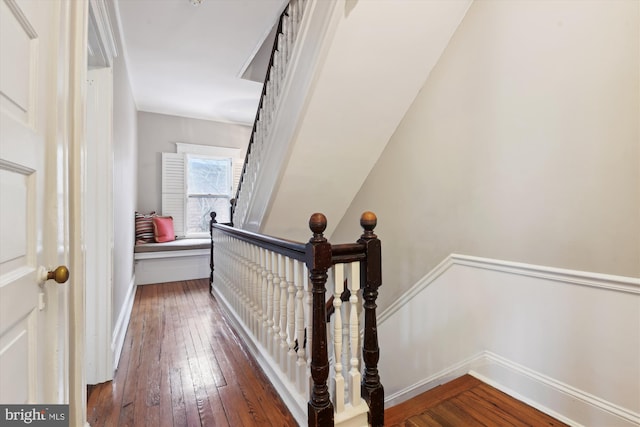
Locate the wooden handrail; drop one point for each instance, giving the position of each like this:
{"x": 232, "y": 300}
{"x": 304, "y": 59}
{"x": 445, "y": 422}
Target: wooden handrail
{"x": 319, "y": 256}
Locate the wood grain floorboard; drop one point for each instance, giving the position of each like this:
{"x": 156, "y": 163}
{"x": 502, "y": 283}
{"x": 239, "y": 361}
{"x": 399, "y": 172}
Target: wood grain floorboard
{"x": 468, "y": 402}
{"x": 182, "y": 364}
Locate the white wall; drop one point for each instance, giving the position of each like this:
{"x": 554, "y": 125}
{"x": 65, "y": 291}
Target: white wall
{"x": 158, "y": 133}
{"x": 523, "y": 145}
{"x": 358, "y": 95}
{"x": 565, "y": 341}
{"x": 124, "y": 183}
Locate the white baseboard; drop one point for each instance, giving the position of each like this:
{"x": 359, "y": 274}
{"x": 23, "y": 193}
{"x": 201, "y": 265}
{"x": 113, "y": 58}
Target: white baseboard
{"x": 560, "y": 340}
{"x": 426, "y": 384}
{"x": 120, "y": 328}
{"x": 551, "y": 397}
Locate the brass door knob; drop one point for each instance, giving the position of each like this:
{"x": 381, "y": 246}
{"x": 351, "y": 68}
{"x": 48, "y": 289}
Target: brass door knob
{"x": 60, "y": 274}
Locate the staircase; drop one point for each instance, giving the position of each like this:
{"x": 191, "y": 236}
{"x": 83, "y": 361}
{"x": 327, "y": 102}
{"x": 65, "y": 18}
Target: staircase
{"x": 350, "y": 77}
{"x": 340, "y": 79}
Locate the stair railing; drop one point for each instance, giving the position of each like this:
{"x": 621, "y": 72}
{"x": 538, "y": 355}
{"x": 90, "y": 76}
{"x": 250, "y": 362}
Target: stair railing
{"x": 275, "y": 292}
{"x": 286, "y": 34}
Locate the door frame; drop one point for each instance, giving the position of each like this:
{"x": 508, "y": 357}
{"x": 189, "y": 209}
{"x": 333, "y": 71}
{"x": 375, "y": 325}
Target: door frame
{"x": 73, "y": 31}
{"x": 99, "y": 209}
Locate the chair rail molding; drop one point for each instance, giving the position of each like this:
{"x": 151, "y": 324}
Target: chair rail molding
{"x": 554, "y": 338}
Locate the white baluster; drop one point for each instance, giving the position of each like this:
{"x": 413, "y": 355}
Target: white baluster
{"x": 257, "y": 292}
{"x": 223, "y": 260}
{"x": 244, "y": 283}
{"x": 282, "y": 339}
{"x": 284, "y": 45}
{"x": 354, "y": 328}
{"x": 294, "y": 18}
{"x": 231, "y": 266}
{"x": 301, "y": 361}
{"x": 263, "y": 296}
{"x": 275, "y": 78}
{"x": 270, "y": 275}
{"x": 252, "y": 288}
{"x": 246, "y": 251}
{"x": 277, "y": 278}
{"x": 338, "y": 381}
{"x": 238, "y": 277}
{"x": 308, "y": 321}
{"x": 291, "y": 319}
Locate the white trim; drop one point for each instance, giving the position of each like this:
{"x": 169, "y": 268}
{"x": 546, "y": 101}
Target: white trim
{"x": 75, "y": 77}
{"x": 104, "y": 31}
{"x": 450, "y": 373}
{"x": 120, "y": 328}
{"x": 574, "y": 277}
{"x": 171, "y": 254}
{"x": 209, "y": 150}
{"x": 14, "y": 167}
{"x": 120, "y": 36}
{"x": 21, "y": 18}
{"x": 508, "y": 376}
{"x": 98, "y": 209}
{"x": 583, "y": 278}
{"x": 560, "y": 399}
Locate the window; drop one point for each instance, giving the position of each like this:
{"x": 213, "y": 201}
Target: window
{"x": 197, "y": 180}
{"x": 208, "y": 189}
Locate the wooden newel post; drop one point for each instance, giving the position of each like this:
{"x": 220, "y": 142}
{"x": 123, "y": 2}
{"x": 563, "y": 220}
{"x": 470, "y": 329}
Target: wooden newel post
{"x": 371, "y": 276}
{"x": 213, "y": 221}
{"x": 318, "y": 253}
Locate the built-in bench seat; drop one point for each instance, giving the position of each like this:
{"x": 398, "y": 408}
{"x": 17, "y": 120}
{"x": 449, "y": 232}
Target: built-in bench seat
{"x": 182, "y": 259}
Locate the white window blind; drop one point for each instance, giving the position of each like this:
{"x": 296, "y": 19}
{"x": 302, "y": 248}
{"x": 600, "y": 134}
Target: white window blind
{"x": 173, "y": 190}
{"x": 174, "y": 180}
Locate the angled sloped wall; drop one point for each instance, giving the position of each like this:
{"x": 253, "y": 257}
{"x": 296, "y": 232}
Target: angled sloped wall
{"x": 523, "y": 146}
{"x": 377, "y": 57}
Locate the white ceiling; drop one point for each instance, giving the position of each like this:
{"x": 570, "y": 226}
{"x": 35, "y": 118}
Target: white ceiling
{"x": 187, "y": 60}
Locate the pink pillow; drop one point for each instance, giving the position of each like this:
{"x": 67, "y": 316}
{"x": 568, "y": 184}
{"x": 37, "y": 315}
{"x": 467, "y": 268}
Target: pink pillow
{"x": 163, "y": 229}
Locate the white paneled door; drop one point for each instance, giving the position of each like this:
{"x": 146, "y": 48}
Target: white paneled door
{"x": 36, "y": 131}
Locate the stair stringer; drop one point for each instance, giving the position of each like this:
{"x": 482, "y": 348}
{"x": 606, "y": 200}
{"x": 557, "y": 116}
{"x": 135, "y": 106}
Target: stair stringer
{"x": 316, "y": 31}
{"x": 379, "y": 58}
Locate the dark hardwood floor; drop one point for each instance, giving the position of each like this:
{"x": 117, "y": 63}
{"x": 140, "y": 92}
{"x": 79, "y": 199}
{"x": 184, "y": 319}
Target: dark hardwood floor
{"x": 466, "y": 401}
{"x": 183, "y": 365}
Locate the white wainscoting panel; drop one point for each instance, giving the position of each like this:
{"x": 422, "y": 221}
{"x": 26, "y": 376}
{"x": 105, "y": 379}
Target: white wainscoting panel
{"x": 567, "y": 342}
{"x": 172, "y": 266}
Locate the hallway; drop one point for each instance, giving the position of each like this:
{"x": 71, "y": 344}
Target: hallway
{"x": 183, "y": 365}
